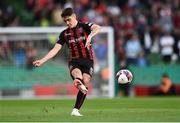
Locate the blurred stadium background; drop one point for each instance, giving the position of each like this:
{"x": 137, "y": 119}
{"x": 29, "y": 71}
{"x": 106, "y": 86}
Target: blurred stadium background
{"x": 141, "y": 35}
{"x": 146, "y": 39}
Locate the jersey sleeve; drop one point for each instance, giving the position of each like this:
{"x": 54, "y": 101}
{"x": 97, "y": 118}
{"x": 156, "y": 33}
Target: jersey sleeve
{"x": 87, "y": 27}
{"x": 61, "y": 39}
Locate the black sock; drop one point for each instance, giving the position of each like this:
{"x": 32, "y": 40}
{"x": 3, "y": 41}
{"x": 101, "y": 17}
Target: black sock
{"x": 79, "y": 100}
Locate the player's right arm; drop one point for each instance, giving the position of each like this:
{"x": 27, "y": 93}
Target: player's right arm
{"x": 49, "y": 55}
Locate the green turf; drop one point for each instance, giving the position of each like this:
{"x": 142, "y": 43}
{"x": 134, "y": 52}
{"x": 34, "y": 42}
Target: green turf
{"x": 119, "y": 109}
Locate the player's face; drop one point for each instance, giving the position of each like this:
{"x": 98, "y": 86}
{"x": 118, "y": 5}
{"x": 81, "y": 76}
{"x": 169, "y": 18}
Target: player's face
{"x": 70, "y": 21}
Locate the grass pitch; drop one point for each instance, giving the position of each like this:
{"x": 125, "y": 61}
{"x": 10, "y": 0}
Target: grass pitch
{"x": 159, "y": 109}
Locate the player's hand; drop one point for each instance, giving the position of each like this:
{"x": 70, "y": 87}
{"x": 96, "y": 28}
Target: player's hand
{"x": 38, "y": 63}
{"x": 88, "y": 42}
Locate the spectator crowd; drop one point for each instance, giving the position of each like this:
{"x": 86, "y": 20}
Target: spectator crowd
{"x": 143, "y": 28}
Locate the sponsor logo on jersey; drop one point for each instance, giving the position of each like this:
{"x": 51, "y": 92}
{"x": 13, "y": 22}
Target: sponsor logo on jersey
{"x": 68, "y": 34}
{"x": 77, "y": 39}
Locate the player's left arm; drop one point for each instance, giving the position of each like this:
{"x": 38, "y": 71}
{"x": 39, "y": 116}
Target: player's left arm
{"x": 95, "y": 29}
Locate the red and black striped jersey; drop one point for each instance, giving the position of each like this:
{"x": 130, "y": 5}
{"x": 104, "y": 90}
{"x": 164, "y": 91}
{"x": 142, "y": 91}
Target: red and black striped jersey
{"x": 75, "y": 38}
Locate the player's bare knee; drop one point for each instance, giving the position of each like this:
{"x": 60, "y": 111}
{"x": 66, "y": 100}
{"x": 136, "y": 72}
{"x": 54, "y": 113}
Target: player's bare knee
{"x": 76, "y": 73}
{"x": 86, "y": 81}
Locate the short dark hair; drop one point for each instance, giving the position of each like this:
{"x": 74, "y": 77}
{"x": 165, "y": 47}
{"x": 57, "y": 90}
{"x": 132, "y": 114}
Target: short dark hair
{"x": 67, "y": 12}
{"x": 165, "y": 75}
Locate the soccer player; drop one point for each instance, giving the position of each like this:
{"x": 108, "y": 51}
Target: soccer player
{"x": 77, "y": 37}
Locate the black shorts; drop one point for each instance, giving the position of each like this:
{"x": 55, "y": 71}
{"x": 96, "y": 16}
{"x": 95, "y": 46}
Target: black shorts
{"x": 85, "y": 65}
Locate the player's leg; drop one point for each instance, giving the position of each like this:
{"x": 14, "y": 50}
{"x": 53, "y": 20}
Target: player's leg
{"x": 78, "y": 82}
{"x": 87, "y": 70}
{"x": 86, "y": 80}
{"x": 76, "y": 73}
{"x": 81, "y": 96}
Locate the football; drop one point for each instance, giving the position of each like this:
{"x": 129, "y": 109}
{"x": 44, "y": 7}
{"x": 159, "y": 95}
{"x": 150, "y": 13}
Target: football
{"x": 124, "y": 76}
